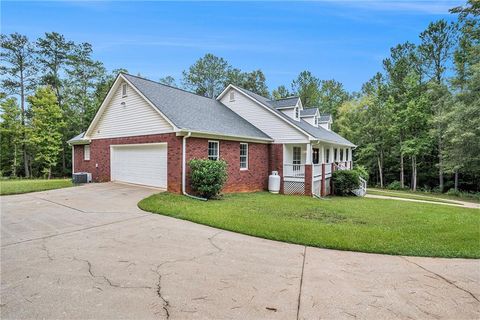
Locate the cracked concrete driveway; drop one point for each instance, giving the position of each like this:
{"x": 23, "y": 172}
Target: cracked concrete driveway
{"x": 89, "y": 253}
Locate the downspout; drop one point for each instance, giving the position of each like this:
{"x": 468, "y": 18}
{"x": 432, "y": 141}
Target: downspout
{"x": 184, "y": 167}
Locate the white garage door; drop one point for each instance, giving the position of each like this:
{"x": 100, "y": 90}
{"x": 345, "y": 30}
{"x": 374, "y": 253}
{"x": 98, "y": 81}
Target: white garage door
{"x": 141, "y": 164}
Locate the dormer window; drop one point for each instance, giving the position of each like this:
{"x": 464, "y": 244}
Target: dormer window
{"x": 124, "y": 90}
{"x": 232, "y": 95}
{"x": 316, "y": 121}
{"x": 297, "y": 113}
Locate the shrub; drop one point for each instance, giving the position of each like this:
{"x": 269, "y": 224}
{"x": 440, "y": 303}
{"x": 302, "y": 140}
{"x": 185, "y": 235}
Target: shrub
{"x": 345, "y": 181}
{"x": 362, "y": 172}
{"x": 395, "y": 185}
{"x": 208, "y": 176}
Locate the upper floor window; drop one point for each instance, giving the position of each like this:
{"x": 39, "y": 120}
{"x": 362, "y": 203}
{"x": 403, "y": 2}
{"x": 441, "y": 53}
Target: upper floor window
{"x": 232, "y": 95}
{"x": 243, "y": 156}
{"x": 86, "y": 152}
{"x": 316, "y": 121}
{"x": 297, "y": 113}
{"x": 213, "y": 150}
{"x": 124, "y": 90}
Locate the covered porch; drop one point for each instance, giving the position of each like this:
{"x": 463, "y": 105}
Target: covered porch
{"x": 308, "y": 167}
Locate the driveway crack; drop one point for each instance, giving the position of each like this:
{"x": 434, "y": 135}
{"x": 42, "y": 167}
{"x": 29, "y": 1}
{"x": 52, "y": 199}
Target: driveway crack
{"x": 443, "y": 278}
{"x": 301, "y": 282}
{"x": 165, "y": 302}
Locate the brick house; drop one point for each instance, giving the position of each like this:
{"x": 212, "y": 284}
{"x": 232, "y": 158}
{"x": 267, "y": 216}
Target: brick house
{"x": 146, "y": 132}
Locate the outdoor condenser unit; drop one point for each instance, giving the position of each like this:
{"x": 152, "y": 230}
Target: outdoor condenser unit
{"x": 82, "y": 177}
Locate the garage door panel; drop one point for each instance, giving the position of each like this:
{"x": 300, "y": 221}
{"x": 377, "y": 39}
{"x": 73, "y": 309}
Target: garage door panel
{"x": 140, "y": 164}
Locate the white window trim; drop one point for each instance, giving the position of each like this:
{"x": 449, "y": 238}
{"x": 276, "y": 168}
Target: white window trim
{"x": 297, "y": 113}
{"x": 246, "y": 156}
{"x": 124, "y": 90}
{"x": 218, "y": 149}
{"x": 86, "y": 155}
{"x": 232, "y": 96}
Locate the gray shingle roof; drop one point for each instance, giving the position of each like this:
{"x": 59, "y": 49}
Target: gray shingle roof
{"x": 285, "y": 103}
{"x": 189, "y": 111}
{"x": 309, "y": 112}
{"x": 317, "y": 132}
{"x": 325, "y": 117}
{"x": 78, "y": 139}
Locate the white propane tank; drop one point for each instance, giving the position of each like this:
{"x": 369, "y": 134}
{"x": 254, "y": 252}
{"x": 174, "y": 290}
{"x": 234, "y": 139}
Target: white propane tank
{"x": 274, "y": 182}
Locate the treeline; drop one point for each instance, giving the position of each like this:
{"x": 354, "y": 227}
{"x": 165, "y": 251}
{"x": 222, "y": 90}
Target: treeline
{"x": 416, "y": 123}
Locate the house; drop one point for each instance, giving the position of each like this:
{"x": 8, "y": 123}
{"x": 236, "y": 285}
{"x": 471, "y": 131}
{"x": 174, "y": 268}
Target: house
{"x": 146, "y": 132}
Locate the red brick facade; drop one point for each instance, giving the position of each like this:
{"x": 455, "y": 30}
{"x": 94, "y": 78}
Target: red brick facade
{"x": 253, "y": 179}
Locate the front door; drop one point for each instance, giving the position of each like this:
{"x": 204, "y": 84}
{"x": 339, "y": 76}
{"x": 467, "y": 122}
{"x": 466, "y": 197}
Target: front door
{"x": 316, "y": 156}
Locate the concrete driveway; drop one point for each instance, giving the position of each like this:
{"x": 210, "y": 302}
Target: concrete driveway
{"x": 89, "y": 253}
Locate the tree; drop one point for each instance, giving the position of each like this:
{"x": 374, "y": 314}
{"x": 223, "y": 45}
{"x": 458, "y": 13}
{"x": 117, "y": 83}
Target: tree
{"x": 53, "y": 53}
{"x": 254, "y": 81}
{"x": 169, "y": 81}
{"x": 331, "y": 96}
{"x": 19, "y": 71}
{"x": 306, "y": 86}
{"x": 45, "y": 134}
{"x": 207, "y": 75}
{"x": 11, "y": 132}
{"x": 435, "y": 50}
{"x": 280, "y": 93}
{"x": 402, "y": 64}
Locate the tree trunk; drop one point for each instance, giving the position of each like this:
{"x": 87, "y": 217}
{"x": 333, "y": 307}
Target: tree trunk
{"x": 380, "y": 170}
{"x": 49, "y": 173}
{"x": 402, "y": 173}
{"x": 414, "y": 173}
{"x": 24, "y": 146}
{"x": 14, "y": 167}
{"x": 456, "y": 180}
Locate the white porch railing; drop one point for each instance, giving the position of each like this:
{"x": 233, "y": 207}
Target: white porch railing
{"x": 317, "y": 170}
{"x": 294, "y": 170}
{"x": 362, "y": 188}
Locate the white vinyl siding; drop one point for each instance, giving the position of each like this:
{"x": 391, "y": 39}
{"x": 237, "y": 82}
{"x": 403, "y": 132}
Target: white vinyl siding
{"x": 243, "y": 156}
{"x": 144, "y": 164}
{"x": 213, "y": 150}
{"x": 129, "y": 116}
{"x": 263, "y": 119}
{"x": 289, "y": 112}
{"x": 86, "y": 152}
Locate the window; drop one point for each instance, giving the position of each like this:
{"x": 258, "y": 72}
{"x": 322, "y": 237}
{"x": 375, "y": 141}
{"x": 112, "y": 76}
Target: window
{"x": 124, "y": 90}
{"x": 86, "y": 152}
{"x": 316, "y": 156}
{"x": 243, "y": 156}
{"x": 297, "y": 158}
{"x": 341, "y": 154}
{"x": 296, "y": 113}
{"x": 346, "y": 154}
{"x": 232, "y": 95}
{"x": 327, "y": 155}
{"x": 213, "y": 150}
{"x": 316, "y": 121}
{"x": 335, "y": 155}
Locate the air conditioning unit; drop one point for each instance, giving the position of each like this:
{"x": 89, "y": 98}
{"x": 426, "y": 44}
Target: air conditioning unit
{"x": 82, "y": 177}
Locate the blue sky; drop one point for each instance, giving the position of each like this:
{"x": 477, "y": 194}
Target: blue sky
{"x": 344, "y": 40}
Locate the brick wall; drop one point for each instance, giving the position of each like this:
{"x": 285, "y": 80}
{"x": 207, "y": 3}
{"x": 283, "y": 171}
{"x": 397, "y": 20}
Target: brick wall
{"x": 253, "y": 179}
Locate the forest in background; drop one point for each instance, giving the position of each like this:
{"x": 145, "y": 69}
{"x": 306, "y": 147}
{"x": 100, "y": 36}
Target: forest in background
{"x": 416, "y": 121}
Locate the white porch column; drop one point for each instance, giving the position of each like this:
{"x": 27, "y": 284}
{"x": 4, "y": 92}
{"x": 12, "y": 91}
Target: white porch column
{"x": 308, "y": 156}
{"x": 332, "y": 159}
{"x": 322, "y": 155}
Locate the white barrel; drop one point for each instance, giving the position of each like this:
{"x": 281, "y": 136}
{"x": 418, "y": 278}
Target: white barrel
{"x": 274, "y": 182}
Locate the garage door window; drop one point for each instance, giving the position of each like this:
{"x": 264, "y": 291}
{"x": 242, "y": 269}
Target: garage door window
{"x": 213, "y": 150}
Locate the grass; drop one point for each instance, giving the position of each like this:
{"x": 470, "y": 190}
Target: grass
{"x": 419, "y": 195}
{"x": 26, "y": 185}
{"x": 351, "y": 223}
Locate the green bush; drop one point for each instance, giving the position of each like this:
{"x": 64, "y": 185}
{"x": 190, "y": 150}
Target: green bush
{"x": 362, "y": 172}
{"x": 395, "y": 185}
{"x": 207, "y": 176}
{"x": 345, "y": 181}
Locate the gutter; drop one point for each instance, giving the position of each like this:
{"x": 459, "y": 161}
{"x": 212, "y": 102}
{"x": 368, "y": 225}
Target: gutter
{"x": 184, "y": 168}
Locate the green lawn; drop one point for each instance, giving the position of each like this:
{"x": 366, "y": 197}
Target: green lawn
{"x": 351, "y": 223}
{"x": 427, "y": 196}
{"x": 24, "y": 186}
